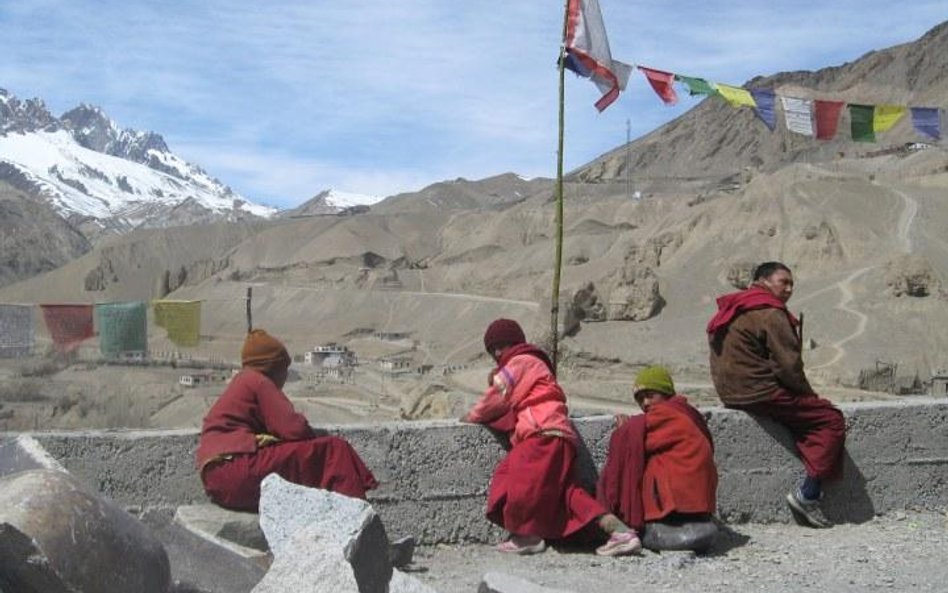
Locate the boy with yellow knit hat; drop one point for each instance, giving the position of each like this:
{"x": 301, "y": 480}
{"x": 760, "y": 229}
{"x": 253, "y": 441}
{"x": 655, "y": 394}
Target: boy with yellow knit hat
{"x": 660, "y": 464}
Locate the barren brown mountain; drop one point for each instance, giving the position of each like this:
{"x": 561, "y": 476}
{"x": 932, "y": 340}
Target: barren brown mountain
{"x": 418, "y": 277}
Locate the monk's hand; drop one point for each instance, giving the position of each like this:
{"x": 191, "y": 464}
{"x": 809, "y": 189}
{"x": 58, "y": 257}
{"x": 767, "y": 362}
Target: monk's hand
{"x": 465, "y": 419}
{"x": 621, "y": 419}
{"x": 263, "y": 439}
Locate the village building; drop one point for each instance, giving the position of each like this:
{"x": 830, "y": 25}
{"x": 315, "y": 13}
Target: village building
{"x": 395, "y": 365}
{"x": 939, "y": 385}
{"x": 199, "y": 378}
{"x": 330, "y": 356}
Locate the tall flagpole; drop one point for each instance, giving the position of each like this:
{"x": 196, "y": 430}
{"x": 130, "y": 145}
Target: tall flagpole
{"x": 555, "y": 304}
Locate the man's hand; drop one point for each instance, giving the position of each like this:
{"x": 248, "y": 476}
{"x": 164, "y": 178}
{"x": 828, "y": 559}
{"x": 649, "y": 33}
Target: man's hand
{"x": 620, "y": 419}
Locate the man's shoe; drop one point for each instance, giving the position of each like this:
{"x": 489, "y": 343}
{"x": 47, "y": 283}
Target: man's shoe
{"x": 807, "y": 512}
{"x": 401, "y": 551}
{"x": 620, "y": 544}
{"x": 523, "y": 546}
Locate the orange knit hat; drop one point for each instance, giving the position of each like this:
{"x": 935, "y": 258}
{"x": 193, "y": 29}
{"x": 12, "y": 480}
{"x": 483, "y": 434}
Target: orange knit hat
{"x": 263, "y": 352}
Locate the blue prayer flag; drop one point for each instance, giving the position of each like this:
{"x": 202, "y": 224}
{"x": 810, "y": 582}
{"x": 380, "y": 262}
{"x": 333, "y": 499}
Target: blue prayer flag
{"x": 765, "y": 107}
{"x": 926, "y": 121}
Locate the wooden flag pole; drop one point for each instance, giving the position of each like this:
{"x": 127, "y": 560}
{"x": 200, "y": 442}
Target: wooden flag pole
{"x": 555, "y": 300}
{"x": 249, "y": 313}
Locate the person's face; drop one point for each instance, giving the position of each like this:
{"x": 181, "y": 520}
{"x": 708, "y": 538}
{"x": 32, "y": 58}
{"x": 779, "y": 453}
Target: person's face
{"x": 780, "y": 283}
{"x": 496, "y": 353}
{"x": 646, "y": 398}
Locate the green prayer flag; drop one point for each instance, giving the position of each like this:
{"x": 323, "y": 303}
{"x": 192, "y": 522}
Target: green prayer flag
{"x": 122, "y": 328}
{"x": 860, "y": 118}
{"x": 697, "y": 86}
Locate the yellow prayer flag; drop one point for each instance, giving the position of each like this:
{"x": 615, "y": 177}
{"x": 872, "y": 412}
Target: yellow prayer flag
{"x": 736, "y": 96}
{"x": 182, "y": 320}
{"x": 886, "y": 116}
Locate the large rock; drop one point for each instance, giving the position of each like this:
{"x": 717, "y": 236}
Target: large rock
{"x": 237, "y": 531}
{"x": 636, "y": 298}
{"x": 912, "y": 275}
{"x": 23, "y": 453}
{"x": 203, "y": 564}
{"x": 321, "y": 541}
{"x": 586, "y": 304}
{"x": 57, "y": 536}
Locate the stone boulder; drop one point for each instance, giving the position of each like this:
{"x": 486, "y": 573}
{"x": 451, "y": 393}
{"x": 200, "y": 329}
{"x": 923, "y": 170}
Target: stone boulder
{"x": 57, "y": 536}
{"x": 23, "y": 453}
{"x": 587, "y": 305}
{"x": 635, "y": 294}
{"x": 637, "y": 299}
{"x": 325, "y": 542}
{"x": 741, "y": 274}
{"x": 912, "y": 275}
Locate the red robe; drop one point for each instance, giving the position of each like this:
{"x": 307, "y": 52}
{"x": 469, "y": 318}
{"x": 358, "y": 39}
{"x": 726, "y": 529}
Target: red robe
{"x": 659, "y": 463}
{"x": 534, "y": 490}
{"x": 232, "y": 466}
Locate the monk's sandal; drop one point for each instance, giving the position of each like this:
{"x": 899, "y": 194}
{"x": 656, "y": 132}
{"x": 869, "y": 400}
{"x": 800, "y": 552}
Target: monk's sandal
{"x": 807, "y": 512}
{"x": 522, "y": 545}
{"x": 620, "y": 544}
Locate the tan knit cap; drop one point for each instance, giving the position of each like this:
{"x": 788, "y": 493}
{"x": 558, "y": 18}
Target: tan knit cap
{"x": 263, "y": 352}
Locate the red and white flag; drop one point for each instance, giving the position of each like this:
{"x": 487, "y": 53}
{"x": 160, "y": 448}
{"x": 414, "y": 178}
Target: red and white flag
{"x": 587, "y": 51}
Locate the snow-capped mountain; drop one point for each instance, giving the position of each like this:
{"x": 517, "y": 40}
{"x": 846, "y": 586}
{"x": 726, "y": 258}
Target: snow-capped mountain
{"x": 85, "y": 167}
{"x": 331, "y": 201}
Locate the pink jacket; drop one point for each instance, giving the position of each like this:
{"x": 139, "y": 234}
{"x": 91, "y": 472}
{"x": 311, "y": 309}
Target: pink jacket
{"x": 526, "y": 387}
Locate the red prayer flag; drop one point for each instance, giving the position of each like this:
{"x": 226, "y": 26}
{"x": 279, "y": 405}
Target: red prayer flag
{"x": 69, "y": 325}
{"x": 827, "y": 118}
{"x": 662, "y": 83}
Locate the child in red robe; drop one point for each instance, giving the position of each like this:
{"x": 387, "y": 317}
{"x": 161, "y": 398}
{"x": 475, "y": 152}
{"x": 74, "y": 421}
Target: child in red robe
{"x": 534, "y": 493}
{"x": 660, "y": 464}
{"x": 253, "y": 430}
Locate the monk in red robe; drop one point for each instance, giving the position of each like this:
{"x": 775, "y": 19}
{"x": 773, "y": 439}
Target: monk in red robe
{"x": 534, "y": 493}
{"x": 252, "y": 430}
{"x": 660, "y": 464}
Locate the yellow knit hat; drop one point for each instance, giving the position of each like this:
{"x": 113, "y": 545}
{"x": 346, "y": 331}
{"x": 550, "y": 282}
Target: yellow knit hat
{"x": 654, "y": 378}
{"x": 263, "y": 352}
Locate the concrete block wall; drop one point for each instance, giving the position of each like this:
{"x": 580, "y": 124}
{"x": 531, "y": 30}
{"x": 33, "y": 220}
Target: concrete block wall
{"x": 434, "y": 474}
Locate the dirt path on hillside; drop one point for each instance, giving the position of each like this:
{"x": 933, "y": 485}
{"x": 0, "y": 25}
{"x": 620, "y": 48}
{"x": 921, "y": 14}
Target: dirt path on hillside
{"x": 906, "y": 218}
{"x": 846, "y": 297}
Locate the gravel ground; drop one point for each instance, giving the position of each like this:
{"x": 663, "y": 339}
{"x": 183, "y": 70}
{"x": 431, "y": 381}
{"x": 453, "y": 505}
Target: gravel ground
{"x": 902, "y": 551}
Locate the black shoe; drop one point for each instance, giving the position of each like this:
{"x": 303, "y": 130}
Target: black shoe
{"x": 401, "y": 551}
{"x": 807, "y": 512}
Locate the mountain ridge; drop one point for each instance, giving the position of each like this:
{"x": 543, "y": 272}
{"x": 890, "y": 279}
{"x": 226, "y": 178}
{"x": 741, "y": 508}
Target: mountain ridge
{"x": 88, "y": 168}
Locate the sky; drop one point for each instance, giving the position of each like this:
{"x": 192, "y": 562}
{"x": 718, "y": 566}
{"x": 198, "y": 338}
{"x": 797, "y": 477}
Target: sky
{"x": 283, "y": 99}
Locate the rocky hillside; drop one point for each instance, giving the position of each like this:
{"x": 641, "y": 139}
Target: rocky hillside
{"x": 33, "y": 238}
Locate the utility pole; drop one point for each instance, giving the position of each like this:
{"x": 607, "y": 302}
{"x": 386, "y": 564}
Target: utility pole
{"x": 628, "y": 158}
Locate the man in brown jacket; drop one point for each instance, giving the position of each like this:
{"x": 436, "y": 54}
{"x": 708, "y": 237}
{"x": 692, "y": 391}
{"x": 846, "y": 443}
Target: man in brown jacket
{"x": 756, "y": 366}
